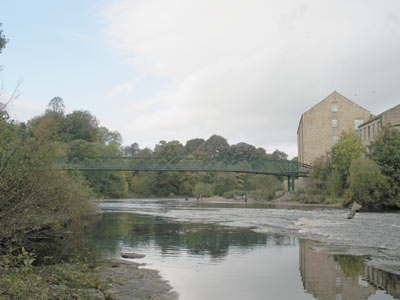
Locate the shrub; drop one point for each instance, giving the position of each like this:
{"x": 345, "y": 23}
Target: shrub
{"x": 202, "y": 189}
{"x": 385, "y": 151}
{"x": 41, "y": 208}
{"x": 367, "y": 185}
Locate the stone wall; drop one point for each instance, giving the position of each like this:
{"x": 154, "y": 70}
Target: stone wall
{"x": 324, "y": 123}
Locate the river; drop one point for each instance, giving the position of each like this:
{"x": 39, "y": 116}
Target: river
{"x": 232, "y": 250}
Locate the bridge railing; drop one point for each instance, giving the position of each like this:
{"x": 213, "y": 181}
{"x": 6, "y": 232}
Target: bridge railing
{"x": 272, "y": 167}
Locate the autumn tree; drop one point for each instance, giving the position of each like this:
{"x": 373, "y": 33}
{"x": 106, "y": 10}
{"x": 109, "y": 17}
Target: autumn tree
{"x": 343, "y": 153}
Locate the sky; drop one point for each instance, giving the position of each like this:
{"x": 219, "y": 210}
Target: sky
{"x": 181, "y": 69}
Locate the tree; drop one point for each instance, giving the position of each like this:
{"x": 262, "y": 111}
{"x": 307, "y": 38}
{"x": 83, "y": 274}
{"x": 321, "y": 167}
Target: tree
{"x": 243, "y": 151}
{"x": 368, "y": 186}
{"x": 319, "y": 173}
{"x": 215, "y": 146}
{"x": 3, "y": 40}
{"x": 385, "y": 151}
{"x": 279, "y": 155}
{"x": 170, "y": 149}
{"x": 343, "y": 153}
{"x": 80, "y": 125}
{"x": 56, "y": 105}
{"x": 41, "y": 207}
{"x": 106, "y": 136}
{"x": 131, "y": 150}
{"x": 193, "y": 145}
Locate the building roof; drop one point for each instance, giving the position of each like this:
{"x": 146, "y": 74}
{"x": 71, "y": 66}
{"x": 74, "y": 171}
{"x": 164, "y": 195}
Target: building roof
{"x": 331, "y": 94}
{"x": 379, "y": 116}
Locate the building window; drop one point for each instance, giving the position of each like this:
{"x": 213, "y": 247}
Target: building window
{"x": 360, "y": 133}
{"x": 357, "y": 122}
{"x": 373, "y": 129}
{"x": 334, "y": 107}
{"x": 338, "y": 281}
{"x": 369, "y": 132}
{"x": 365, "y": 133}
{"x": 334, "y": 123}
{"x": 335, "y": 139}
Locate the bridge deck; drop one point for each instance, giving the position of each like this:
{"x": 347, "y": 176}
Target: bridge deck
{"x": 271, "y": 167}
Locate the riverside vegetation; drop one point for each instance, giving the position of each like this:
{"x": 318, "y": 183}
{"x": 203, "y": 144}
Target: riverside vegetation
{"x": 45, "y": 213}
{"x": 351, "y": 172}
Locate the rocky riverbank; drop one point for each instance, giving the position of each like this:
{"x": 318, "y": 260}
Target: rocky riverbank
{"x": 127, "y": 280}
{"x": 106, "y": 280}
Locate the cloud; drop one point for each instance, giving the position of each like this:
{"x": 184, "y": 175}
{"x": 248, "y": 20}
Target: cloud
{"x": 23, "y": 109}
{"x": 248, "y": 69}
{"x": 121, "y": 88}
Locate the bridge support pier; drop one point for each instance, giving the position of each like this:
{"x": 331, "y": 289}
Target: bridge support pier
{"x": 291, "y": 185}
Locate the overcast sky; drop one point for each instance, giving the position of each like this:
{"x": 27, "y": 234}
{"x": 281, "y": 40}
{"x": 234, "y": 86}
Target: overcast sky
{"x": 180, "y": 69}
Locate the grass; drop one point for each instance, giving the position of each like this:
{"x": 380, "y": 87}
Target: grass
{"x": 63, "y": 281}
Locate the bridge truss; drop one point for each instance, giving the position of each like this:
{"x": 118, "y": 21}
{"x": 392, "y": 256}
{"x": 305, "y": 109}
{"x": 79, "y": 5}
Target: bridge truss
{"x": 290, "y": 169}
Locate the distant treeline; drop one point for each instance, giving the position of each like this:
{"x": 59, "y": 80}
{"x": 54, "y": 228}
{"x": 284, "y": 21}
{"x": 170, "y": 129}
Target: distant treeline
{"x": 79, "y": 134}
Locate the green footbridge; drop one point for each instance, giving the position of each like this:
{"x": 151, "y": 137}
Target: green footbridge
{"x": 290, "y": 169}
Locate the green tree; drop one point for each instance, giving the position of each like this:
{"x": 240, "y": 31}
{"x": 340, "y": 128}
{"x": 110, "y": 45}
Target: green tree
{"x": 319, "y": 174}
{"x": 168, "y": 149}
{"x": 80, "y": 125}
{"x": 144, "y": 184}
{"x": 202, "y": 189}
{"x": 192, "y": 146}
{"x": 343, "y": 153}
{"x": 216, "y": 146}
{"x": 243, "y": 151}
{"x": 3, "y": 42}
{"x": 279, "y": 155}
{"x": 223, "y": 183}
{"x": 131, "y": 150}
{"x": 368, "y": 186}
{"x": 56, "y": 105}
{"x": 40, "y": 207}
{"x": 107, "y": 184}
{"x": 385, "y": 151}
{"x": 106, "y": 136}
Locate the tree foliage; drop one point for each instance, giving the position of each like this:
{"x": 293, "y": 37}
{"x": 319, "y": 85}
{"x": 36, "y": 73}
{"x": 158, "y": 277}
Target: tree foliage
{"x": 372, "y": 179}
{"x": 385, "y": 151}
{"x": 79, "y": 134}
{"x": 41, "y": 208}
{"x": 3, "y": 40}
{"x": 367, "y": 185}
{"x": 343, "y": 153}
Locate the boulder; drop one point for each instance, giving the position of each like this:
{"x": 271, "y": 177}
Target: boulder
{"x": 132, "y": 255}
{"x": 353, "y": 209}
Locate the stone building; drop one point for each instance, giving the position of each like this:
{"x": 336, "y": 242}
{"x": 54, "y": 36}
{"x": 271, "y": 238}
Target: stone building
{"x": 321, "y": 126}
{"x": 370, "y": 129}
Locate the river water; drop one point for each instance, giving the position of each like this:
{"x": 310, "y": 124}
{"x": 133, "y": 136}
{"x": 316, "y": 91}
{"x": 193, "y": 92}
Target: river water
{"x": 220, "y": 250}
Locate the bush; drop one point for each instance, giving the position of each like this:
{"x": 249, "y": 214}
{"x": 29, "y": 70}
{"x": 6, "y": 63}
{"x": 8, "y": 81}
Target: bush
{"x": 367, "y": 185}
{"x": 202, "y": 189}
{"x": 41, "y": 208}
{"x": 311, "y": 199}
{"x": 334, "y": 184}
{"x": 385, "y": 151}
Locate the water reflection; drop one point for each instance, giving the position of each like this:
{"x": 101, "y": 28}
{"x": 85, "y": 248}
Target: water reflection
{"x": 134, "y": 231}
{"x": 239, "y": 263}
{"x": 345, "y": 277}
